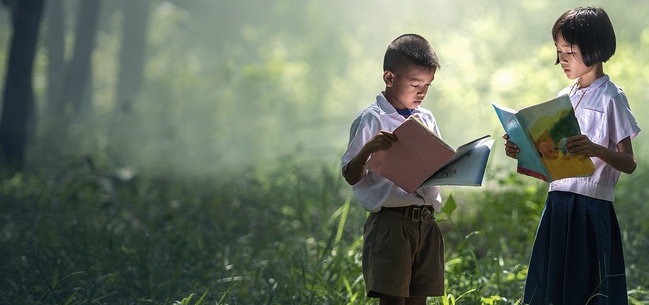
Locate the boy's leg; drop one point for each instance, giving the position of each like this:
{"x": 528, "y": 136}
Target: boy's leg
{"x": 416, "y": 301}
{"x": 387, "y": 258}
{"x": 385, "y": 299}
{"x": 402, "y": 257}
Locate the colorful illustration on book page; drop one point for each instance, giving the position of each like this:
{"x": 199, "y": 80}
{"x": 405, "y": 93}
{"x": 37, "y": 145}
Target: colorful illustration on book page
{"x": 549, "y": 133}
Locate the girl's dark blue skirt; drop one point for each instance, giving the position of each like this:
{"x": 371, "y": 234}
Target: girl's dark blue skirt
{"x": 577, "y": 256}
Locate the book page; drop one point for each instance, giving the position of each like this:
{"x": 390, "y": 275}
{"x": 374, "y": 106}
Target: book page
{"x": 467, "y": 167}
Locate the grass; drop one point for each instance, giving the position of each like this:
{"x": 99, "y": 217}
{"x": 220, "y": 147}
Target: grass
{"x": 282, "y": 235}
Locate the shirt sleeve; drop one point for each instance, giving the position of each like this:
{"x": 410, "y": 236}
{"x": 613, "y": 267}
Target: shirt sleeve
{"x": 361, "y": 131}
{"x": 621, "y": 121}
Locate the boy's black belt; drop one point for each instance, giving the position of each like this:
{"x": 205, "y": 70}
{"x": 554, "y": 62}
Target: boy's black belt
{"x": 414, "y": 212}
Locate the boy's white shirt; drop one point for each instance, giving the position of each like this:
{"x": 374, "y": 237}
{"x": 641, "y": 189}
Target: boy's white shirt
{"x": 374, "y": 191}
{"x": 605, "y": 118}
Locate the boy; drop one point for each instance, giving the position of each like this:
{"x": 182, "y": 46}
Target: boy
{"x": 403, "y": 250}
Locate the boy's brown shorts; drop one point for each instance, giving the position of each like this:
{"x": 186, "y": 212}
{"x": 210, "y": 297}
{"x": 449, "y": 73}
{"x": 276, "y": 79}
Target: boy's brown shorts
{"x": 402, "y": 257}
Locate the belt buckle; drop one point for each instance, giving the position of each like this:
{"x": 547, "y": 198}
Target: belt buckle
{"x": 416, "y": 214}
{"x": 427, "y": 214}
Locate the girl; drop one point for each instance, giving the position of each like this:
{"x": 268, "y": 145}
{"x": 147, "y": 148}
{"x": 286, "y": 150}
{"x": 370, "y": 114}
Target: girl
{"x": 577, "y": 254}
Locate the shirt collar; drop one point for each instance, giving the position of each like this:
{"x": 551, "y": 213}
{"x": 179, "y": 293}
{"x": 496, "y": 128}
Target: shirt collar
{"x": 597, "y": 83}
{"x": 387, "y": 108}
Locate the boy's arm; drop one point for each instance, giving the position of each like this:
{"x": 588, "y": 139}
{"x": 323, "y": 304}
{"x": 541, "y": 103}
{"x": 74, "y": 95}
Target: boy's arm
{"x": 355, "y": 170}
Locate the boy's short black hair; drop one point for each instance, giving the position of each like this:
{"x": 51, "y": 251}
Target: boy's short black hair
{"x": 590, "y": 29}
{"x": 409, "y": 49}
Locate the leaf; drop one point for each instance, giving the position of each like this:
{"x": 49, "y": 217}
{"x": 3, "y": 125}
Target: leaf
{"x": 449, "y": 206}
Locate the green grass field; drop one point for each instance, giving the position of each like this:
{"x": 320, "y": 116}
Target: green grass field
{"x": 284, "y": 235}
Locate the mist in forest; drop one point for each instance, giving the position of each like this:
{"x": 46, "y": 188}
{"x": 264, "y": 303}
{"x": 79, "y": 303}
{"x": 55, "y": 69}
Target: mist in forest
{"x": 196, "y": 87}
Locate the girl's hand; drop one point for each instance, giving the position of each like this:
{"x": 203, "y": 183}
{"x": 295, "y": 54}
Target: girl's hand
{"x": 511, "y": 149}
{"x": 581, "y": 145}
{"x": 621, "y": 159}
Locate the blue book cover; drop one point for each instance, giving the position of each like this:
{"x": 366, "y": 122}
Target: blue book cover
{"x": 540, "y": 132}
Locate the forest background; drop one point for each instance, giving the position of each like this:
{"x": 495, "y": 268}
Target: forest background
{"x": 189, "y": 151}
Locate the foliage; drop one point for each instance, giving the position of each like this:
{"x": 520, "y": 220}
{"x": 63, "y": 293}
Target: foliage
{"x": 242, "y": 106}
{"x": 283, "y": 234}
{"x": 232, "y": 84}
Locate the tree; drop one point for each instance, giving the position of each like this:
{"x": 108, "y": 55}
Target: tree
{"x": 55, "y": 51}
{"x": 18, "y": 94}
{"x": 78, "y": 70}
{"x": 131, "y": 57}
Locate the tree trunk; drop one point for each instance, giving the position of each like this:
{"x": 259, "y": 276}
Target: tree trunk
{"x": 79, "y": 68}
{"x": 132, "y": 54}
{"x": 54, "y": 39}
{"x": 18, "y": 94}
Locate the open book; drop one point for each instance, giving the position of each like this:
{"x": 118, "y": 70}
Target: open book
{"x": 420, "y": 158}
{"x": 540, "y": 132}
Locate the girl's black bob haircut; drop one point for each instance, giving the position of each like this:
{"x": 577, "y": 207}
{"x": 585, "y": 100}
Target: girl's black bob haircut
{"x": 590, "y": 29}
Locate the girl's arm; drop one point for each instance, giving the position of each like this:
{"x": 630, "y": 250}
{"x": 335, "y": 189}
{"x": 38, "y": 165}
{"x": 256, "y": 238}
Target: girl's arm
{"x": 511, "y": 149}
{"x": 621, "y": 160}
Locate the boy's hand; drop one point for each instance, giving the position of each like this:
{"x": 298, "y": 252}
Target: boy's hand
{"x": 511, "y": 149}
{"x": 383, "y": 140}
{"x": 355, "y": 171}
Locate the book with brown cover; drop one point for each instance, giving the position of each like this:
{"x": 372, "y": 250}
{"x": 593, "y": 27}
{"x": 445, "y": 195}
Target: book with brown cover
{"x": 419, "y": 154}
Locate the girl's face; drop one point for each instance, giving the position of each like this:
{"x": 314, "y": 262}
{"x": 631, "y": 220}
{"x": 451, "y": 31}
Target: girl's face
{"x": 571, "y": 59}
{"x": 407, "y": 89}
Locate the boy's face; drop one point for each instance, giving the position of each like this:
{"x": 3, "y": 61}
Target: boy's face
{"x": 571, "y": 59}
{"x": 407, "y": 88}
